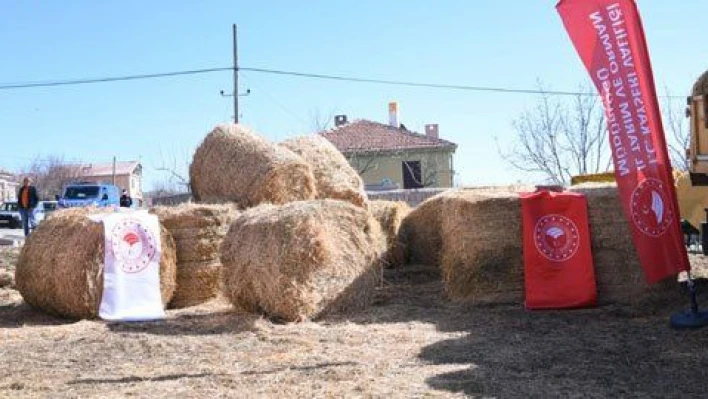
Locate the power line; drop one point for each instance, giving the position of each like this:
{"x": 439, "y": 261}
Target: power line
{"x": 417, "y": 84}
{"x": 277, "y": 103}
{"x": 71, "y": 82}
{"x": 354, "y": 79}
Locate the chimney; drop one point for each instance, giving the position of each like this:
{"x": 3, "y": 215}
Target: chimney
{"x": 340, "y": 120}
{"x": 431, "y": 131}
{"x": 393, "y": 119}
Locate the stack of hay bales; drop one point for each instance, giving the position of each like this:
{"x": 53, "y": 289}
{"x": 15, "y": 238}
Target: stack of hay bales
{"x": 481, "y": 250}
{"x": 334, "y": 176}
{"x": 60, "y": 268}
{"x": 476, "y": 237}
{"x": 302, "y": 260}
{"x": 421, "y": 230}
{"x": 233, "y": 164}
{"x": 390, "y": 214}
{"x": 198, "y": 230}
{"x": 617, "y": 270}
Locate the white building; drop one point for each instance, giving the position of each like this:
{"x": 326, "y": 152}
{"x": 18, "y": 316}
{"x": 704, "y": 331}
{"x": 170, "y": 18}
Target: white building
{"x": 8, "y": 186}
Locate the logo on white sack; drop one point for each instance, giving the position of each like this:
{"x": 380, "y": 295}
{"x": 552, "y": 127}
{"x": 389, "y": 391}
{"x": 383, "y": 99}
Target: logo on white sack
{"x": 556, "y": 237}
{"x": 650, "y": 211}
{"x": 133, "y": 245}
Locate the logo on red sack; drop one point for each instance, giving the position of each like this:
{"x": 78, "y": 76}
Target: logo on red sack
{"x": 133, "y": 245}
{"x": 650, "y": 211}
{"x": 556, "y": 237}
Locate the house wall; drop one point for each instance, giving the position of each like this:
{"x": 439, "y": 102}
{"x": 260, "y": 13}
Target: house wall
{"x": 436, "y": 167}
{"x": 8, "y": 188}
{"x": 131, "y": 182}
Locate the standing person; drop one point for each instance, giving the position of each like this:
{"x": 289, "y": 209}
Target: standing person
{"x": 125, "y": 200}
{"x": 27, "y": 200}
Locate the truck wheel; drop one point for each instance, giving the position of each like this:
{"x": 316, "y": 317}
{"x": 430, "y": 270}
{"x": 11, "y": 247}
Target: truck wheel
{"x": 13, "y": 224}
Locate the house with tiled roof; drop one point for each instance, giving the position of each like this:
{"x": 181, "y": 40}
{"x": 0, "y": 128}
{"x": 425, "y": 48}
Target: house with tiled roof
{"x": 389, "y": 156}
{"x": 126, "y": 175}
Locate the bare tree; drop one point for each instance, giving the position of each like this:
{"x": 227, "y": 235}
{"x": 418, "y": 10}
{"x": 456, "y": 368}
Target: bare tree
{"x": 321, "y": 121}
{"x": 560, "y": 139}
{"x": 51, "y": 174}
{"x": 175, "y": 172}
{"x": 677, "y": 131}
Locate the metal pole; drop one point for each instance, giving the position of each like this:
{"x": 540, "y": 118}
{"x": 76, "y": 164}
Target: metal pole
{"x": 235, "y": 76}
{"x": 113, "y": 176}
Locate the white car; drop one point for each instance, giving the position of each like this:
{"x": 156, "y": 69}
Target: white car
{"x": 10, "y": 213}
{"x": 44, "y": 209}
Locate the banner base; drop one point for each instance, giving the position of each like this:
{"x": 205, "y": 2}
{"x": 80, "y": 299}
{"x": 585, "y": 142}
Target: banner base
{"x": 691, "y": 318}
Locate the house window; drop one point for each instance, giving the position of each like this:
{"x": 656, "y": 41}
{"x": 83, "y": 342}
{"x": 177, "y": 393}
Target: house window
{"x": 412, "y": 174}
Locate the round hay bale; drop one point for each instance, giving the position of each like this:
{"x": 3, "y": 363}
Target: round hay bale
{"x": 700, "y": 88}
{"x": 60, "y": 268}
{"x": 234, "y": 164}
{"x": 303, "y": 259}
{"x": 481, "y": 255}
{"x": 334, "y": 176}
{"x": 197, "y": 282}
{"x": 390, "y": 214}
{"x": 198, "y": 230}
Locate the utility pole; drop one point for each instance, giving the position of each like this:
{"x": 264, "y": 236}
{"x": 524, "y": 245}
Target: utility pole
{"x": 113, "y": 175}
{"x": 235, "y": 76}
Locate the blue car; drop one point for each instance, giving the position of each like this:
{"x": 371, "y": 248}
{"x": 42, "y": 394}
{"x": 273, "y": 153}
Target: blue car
{"x": 90, "y": 194}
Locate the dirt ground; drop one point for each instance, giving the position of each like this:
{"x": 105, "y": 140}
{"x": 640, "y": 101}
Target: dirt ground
{"x": 411, "y": 343}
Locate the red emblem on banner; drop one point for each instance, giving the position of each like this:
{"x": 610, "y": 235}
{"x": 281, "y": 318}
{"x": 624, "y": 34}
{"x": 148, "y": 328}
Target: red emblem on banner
{"x": 133, "y": 245}
{"x": 556, "y": 237}
{"x": 649, "y": 211}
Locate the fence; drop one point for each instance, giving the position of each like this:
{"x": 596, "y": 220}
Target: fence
{"x": 412, "y": 197}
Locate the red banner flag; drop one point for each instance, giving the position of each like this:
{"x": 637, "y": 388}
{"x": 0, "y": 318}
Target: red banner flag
{"x": 558, "y": 267}
{"x": 609, "y": 38}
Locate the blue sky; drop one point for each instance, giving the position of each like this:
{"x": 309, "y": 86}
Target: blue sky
{"x": 506, "y": 44}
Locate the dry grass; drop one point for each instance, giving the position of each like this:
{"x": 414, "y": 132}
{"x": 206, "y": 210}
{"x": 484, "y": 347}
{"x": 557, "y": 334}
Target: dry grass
{"x": 412, "y": 343}
{"x": 8, "y": 260}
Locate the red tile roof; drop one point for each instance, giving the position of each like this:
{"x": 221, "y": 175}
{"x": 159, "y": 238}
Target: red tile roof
{"x": 106, "y": 169}
{"x": 368, "y": 136}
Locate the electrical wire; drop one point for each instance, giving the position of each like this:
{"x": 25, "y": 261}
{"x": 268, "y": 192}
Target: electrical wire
{"x": 354, "y": 79}
{"x": 71, "y": 82}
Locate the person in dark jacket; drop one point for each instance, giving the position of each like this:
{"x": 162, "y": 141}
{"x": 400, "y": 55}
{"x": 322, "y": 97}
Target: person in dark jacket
{"x": 27, "y": 200}
{"x": 125, "y": 200}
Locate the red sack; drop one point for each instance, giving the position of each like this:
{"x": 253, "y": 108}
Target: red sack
{"x": 558, "y": 268}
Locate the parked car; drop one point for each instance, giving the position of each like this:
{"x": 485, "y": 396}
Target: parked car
{"x": 10, "y": 214}
{"x": 44, "y": 209}
{"x": 90, "y": 194}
